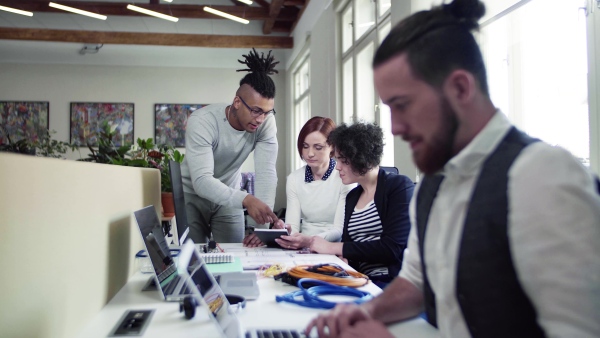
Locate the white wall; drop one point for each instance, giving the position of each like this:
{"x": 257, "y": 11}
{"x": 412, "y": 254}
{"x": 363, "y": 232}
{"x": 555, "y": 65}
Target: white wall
{"x": 305, "y": 27}
{"x": 324, "y": 67}
{"x": 144, "y": 86}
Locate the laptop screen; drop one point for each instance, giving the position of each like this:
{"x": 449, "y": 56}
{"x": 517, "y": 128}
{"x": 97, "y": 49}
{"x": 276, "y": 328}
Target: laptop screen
{"x": 156, "y": 245}
{"x": 178, "y": 201}
{"x": 206, "y": 288}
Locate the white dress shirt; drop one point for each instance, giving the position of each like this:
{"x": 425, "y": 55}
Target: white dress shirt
{"x": 553, "y": 229}
{"x": 319, "y": 203}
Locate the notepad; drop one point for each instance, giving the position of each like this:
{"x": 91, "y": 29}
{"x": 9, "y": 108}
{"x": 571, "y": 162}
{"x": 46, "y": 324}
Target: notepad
{"x": 214, "y": 258}
{"x": 234, "y": 266}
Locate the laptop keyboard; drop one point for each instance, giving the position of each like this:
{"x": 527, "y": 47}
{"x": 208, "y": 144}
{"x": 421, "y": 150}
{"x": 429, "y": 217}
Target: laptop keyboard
{"x": 168, "y": 272}
{"x": 275, "y": 334}
{"x": 171, "y": 286}
{"x": 170, "y": 289}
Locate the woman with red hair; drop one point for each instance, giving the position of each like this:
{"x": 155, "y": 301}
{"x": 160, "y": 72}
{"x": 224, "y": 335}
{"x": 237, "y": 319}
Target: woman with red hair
{"x": 315, "y": 193}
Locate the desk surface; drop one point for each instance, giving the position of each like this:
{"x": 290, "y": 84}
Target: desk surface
{"x": 264, "y": 312}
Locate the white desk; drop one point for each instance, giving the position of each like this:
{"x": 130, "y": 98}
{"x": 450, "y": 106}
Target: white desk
{"x": 264, "y": 312}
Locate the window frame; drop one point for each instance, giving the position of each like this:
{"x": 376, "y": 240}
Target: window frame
{"x": 514, "y": 99}
{"x": 298, "y": 99}
{"x": 370, "y": 36}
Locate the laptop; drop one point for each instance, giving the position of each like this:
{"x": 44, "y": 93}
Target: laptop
{"x": 210, "y": 295}
{"x": 166, "y": 276}
{"x": 178, "y": 201}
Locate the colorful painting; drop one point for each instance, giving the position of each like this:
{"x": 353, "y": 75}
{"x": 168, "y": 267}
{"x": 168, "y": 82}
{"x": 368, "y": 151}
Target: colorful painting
{"x": 23, "y": 120}
{"x": 87, "y": 119}
{"x": 170, "y": 121}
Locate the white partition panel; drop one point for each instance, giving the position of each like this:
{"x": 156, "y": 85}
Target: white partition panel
{"x": 67, "y": 240}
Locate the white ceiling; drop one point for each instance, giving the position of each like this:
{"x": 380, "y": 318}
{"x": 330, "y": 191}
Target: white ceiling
{"x": 16, "y": 51}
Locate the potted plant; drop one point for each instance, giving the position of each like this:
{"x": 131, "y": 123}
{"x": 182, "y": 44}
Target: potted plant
{"x": 158, "y": 157}
{"x": 143, "y": 154}
{"x": 107, "y": 152}
{"x": 43, "y": 145}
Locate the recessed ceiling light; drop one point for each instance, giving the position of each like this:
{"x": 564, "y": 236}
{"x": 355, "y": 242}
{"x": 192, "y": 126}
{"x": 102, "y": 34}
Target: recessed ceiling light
{"x": 225, "y": 15}
{"x": 153, "y": 13}
{"x": 17, "y": 11}
{"x": 77, "y": 11}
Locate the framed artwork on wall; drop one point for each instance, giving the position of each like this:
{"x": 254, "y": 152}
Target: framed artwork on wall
{"x": 23, "y": 120}
{"x": 170, "y": 120}
{"x": 87, "y": 119}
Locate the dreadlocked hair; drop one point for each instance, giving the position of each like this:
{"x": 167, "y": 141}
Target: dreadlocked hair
{"x": 259, "y": 68}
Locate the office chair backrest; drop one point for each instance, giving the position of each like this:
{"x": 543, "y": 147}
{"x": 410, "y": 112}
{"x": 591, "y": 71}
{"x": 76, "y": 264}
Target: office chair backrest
{"x": 392, "y": 170}
{"x": 178, "y": 200}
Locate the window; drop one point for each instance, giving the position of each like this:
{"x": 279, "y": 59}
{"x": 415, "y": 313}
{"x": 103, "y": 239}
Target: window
{"x": 301, "y": 90}
{"x": 365, "y": 17}
{"x": 364, "y": 24}
{"x": 537, "y": 71}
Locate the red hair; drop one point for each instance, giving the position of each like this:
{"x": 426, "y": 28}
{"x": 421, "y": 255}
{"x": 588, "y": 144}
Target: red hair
{"x": 324, "y": 125}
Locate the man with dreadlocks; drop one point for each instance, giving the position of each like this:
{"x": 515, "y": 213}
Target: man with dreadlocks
{"x": 218, "y": 140}
{"x": 505, "y": 236}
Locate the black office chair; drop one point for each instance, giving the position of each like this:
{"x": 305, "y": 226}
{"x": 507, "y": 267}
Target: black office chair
{"x": 392, "y": 170}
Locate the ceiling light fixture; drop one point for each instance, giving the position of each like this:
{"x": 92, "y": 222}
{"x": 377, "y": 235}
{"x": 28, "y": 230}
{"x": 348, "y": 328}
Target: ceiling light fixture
{"x": 77, "y": 11}
{"x": 152, "y": 13}
{"x": 17, "y": 11}
{"x": 225, "y": 15}
{"x": 168, "y": 0}
{"x": 247, "y": 2}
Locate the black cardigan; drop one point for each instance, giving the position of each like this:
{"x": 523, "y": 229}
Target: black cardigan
{"x": 392, "y": 197}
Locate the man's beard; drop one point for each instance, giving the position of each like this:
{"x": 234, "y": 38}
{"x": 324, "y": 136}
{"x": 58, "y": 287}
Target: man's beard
{"x": 440, "y": 149}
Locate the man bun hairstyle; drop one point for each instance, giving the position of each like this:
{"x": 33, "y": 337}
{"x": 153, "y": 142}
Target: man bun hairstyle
{"x": 259, "y": 68}
{"x": 438, "y": 41}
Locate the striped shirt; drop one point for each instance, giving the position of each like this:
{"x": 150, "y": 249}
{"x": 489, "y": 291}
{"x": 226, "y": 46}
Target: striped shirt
{"x": 364, "y": 226}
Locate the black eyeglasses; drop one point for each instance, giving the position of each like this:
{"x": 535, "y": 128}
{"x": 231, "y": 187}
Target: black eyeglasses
{"x": 257, "y": 112}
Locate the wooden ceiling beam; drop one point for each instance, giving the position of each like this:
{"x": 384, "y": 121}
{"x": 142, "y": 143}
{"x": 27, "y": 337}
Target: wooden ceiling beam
{"x": 263, "y": 3}
{"x": 300, "y": 3}
{"x": 299, "y": 15}
{"x": 274, "y": 10}
{"x": 180, "y": 11}
{"x": 156, "y": 39}
{"x": 282, "y": 27}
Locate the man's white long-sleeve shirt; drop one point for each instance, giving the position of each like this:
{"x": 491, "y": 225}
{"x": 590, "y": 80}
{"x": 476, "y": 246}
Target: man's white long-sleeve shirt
{"x": 553, "y": 231}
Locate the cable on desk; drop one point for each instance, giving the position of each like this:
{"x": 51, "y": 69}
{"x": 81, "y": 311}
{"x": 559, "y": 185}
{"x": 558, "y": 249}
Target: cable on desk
{"x": 270, "y": 270}
{"x": 329, "y": 272}
{"x": 311, "y": 296}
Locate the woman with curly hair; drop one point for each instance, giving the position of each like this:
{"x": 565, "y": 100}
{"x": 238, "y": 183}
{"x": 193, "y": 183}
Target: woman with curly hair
{"x": 376, "y": 221}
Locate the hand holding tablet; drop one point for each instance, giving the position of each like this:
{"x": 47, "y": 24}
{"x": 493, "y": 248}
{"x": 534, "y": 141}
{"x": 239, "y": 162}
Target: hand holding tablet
{"x": 268, "y": 236}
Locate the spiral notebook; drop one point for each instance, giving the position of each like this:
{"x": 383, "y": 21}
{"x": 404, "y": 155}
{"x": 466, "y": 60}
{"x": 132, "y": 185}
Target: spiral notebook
{"x": 213, "y": 258}
{"x": 217, "y": 267}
